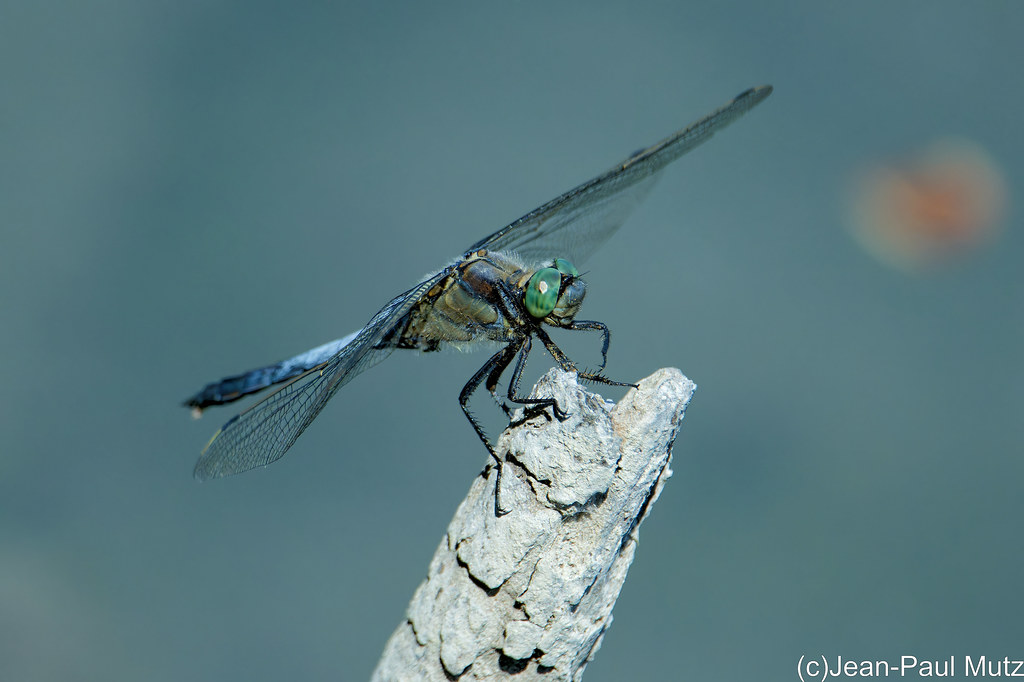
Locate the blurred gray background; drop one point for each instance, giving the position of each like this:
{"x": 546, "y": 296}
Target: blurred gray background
{"x": 192, "y": 189}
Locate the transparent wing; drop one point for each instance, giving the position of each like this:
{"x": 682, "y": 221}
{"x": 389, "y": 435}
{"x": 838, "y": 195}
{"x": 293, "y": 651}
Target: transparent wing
{"x": 264, "y": 432}
{"x": 575, "y": 224}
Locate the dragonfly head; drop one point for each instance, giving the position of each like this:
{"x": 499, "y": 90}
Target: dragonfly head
{"x": 556, "y": 293}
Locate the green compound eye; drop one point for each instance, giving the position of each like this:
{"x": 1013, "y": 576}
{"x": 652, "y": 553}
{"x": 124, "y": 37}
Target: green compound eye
{"x": 566, "y": 268}
{"x": 542, "y": 292}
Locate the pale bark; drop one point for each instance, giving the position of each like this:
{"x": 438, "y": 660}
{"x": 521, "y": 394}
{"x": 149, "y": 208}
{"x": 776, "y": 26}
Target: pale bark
{"x": 529, "y": 595}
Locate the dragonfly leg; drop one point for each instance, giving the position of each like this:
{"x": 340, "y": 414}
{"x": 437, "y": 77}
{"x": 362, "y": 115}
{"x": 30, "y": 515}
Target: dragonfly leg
{"x": 492, "y": 387}
{"x": 534, "y": 406}
{"x": 491, "y": 371}
{"x": 566, "y": 364}
{"x": 588, "y": 325}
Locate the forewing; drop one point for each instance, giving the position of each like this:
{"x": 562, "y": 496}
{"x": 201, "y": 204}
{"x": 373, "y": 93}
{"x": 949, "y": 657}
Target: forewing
{"x": 264, "y": 432}
{"x": 575, "y": 224}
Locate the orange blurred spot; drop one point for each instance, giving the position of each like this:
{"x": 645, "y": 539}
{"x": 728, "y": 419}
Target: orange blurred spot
{"x": 947, "y": 201}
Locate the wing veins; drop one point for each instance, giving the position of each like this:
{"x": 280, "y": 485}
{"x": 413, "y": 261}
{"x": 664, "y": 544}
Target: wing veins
{"x": 598, "y": 207}
{"x": 263, "y": 432}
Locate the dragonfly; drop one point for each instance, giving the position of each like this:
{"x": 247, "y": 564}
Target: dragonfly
{"x": 505, "y": 289}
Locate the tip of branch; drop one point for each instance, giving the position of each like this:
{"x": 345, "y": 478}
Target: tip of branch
{"x": 533, "y": 590}
{"x": 569, "y": 466}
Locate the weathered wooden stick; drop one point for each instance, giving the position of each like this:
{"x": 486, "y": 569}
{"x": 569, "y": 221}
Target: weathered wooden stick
{"x": 530, "y": 594}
